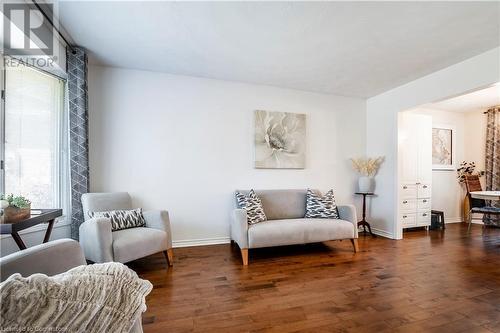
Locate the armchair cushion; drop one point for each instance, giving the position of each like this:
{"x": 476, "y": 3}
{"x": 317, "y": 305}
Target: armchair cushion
{"x": 101, "y": 202}
{"x": 48, "y": 258}
{"x": 122, "y": 219}
{"x": 134, "y": 243}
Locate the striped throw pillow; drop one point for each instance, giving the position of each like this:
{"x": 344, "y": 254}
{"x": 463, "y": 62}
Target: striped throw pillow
{"x": 122, "y": 219}
{"x": 252, "y": 204}
{"x": 322, "y": 207}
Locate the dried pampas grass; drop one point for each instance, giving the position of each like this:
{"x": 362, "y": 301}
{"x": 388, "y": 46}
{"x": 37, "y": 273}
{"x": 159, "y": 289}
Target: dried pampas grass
{"x": 367, "y": 166}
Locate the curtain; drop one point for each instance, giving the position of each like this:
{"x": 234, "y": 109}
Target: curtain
{"x": 493, "y": 158}
{"x": 78, "y": 133}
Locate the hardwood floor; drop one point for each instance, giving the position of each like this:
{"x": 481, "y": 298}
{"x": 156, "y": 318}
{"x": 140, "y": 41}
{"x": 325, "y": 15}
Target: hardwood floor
{"x": 429, "y": 282}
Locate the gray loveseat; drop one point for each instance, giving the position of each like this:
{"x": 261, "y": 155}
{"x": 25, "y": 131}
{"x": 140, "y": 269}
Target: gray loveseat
{"x": 286, "y": 225}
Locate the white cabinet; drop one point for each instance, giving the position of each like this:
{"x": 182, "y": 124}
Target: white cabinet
{"x": 415, "y": 169}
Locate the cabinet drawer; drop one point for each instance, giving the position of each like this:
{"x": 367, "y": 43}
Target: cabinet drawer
{"x": 408, "y": 205}
{"x": 424, "y": 190}
{"x": 409, "y": 220}
{"x": 424, "y": 204}
{"x": 424, "y": 218}
{"x": 408, "y": 191}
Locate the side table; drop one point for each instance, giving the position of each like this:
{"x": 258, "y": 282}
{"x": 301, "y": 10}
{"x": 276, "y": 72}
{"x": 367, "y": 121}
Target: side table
{"x": 363, "y": 221}
{"x": 45, "y": 216}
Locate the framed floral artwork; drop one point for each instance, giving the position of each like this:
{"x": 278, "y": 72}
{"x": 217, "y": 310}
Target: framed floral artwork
{"x": 443, "y": 157}
{"x": 280, "y": 140}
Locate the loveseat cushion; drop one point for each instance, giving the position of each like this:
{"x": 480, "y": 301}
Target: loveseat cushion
{"x": 298, "y": 231}
{"x": 321, "y": 206}
{"x": 282, "y": 204}
{"x": 253, "y": 206}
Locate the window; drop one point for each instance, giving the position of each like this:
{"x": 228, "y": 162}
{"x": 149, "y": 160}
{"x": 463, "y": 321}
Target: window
{"x": 34, "y": 142}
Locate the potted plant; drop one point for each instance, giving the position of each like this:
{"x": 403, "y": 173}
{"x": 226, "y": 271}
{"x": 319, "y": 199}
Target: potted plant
{"x": 15, "y": 208}
{"x": 466, "y": 169}
{"x": 367, "y": 168}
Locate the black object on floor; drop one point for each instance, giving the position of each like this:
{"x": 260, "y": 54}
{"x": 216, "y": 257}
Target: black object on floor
{"x": 437, "y": 220}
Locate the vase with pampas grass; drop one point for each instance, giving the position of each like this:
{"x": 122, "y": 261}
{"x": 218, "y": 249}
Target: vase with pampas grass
{"x": 367, "y": 168}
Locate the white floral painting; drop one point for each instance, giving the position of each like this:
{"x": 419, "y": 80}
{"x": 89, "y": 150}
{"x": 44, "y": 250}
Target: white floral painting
{"x": 442, "y": 148}
{"x": 280, "y": 140}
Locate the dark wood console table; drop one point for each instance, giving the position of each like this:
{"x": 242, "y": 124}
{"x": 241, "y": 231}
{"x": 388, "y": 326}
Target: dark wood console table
{"x": 46, "y": 216}
{"x": 363, "y": 221}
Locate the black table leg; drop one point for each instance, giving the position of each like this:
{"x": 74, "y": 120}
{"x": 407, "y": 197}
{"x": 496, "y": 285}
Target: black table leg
{"x": 49, "y": 231}
{"x": 363, "y": 221}
{"x": 18, "y": 240}
{"x": 366, "y": 224}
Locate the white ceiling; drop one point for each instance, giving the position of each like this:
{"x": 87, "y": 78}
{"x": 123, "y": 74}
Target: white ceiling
{"x": 478, "y": 100}
{"x": 347, "y": 48}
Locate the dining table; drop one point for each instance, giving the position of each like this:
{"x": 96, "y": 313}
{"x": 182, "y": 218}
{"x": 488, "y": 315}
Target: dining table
{"x": 486, "y": 195}
{"x": 491, "y": 196}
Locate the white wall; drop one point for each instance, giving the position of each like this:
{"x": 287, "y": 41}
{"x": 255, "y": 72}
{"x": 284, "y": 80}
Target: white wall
{"x": 185, "y": 144}
{"x": 477, "y": 72}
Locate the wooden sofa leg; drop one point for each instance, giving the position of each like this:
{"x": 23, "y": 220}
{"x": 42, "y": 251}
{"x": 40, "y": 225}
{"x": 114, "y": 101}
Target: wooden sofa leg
{"x": 169, "y": 255}
{"x": 244, "y": 256}
{"x": 354, "y": 242}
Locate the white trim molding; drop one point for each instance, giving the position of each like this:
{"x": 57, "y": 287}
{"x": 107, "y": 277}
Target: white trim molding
{"x": 453, "y": 220}
{"x": 200, "y": 242}
{"x": 383, "y": 233}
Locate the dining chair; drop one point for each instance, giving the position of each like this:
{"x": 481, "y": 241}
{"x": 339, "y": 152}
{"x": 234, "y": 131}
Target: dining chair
{"x": 477, "y": 206}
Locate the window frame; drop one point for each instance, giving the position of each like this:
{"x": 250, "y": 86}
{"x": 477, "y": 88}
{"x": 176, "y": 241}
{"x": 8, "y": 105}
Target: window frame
{"x": 62, "y": 169}
{"x": 2, "y": 124}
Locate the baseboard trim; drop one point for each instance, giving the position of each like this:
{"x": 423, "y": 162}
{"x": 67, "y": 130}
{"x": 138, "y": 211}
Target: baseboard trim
{"x": 201, "y": 242}
{"x": 453, "y": 220}
{"x": 382, "y": 233}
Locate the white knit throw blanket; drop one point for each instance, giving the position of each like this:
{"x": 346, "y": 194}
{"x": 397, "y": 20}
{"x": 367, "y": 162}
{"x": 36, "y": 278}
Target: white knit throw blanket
{"x": 91, "y": 298}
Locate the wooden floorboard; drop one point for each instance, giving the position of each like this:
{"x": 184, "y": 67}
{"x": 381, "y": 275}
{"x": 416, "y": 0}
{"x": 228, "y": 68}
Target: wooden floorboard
{"x": 429, "y": 282}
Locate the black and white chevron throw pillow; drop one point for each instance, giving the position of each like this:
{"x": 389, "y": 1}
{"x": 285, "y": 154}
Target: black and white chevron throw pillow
{"x": 252, "y": 204}
{"x": 323, "y": 207}
{"x": 122, "y": 219}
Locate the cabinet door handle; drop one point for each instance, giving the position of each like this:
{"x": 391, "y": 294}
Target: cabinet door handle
{"x": 404, "y": 216}
{"x": 424, "y": 214}
{"x": 424, "y": 200}
{"x": 425, "y": 186}
{"x": 404, "y": 201}
{"x": 405, "y": 187}
{"x": 417, "y": 183}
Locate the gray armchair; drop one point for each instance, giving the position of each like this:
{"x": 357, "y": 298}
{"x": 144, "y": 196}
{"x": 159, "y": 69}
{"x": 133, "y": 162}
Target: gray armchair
{"x": 50, "y": 258}
{"x": 100, "y": 244}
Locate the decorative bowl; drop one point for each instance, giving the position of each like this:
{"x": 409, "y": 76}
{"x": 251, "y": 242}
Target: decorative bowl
{"x": 15, "y": 214}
